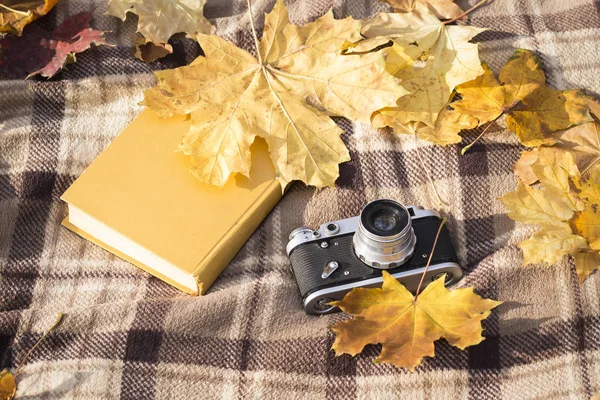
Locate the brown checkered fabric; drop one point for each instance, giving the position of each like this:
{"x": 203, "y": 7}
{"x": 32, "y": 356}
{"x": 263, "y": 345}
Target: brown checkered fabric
{"x": 127, "y": 335}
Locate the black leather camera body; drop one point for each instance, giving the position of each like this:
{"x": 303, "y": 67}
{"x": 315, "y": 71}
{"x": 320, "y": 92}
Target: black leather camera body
{"x": 351, "y": 253}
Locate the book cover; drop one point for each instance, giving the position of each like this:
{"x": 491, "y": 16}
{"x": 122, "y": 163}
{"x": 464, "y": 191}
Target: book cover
{"x": 139, "y": 201}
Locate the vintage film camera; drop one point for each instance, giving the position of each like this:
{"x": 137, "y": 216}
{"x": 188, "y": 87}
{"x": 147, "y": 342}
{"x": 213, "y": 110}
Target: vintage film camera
{"x": 350, "y": 253}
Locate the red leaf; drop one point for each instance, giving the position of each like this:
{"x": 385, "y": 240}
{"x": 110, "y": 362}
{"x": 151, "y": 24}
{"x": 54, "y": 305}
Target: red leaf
{"x": 43, "y": 52}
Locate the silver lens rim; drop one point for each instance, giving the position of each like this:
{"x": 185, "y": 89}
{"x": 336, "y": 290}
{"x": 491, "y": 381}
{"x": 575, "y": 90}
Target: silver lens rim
{"x": 384, "y": 252}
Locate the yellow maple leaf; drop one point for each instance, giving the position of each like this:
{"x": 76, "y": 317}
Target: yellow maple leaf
{"x": 158, "y": 20}
{"x": 551, "y": 245}
{"x": 443, "y": 9}
{"x": 556, "y": 173}
{"x": 582, "y": 141}
{"x": 586, "y": 223}
{"x": 233, "y": 97}
{"x": 16, "y": 14}
{"x": 532, "y": 206}
{"x": 8, "y": 386}
{"x": 522, "y": 167}
{"x": 429, "y": 57}
{"x": 534, "y": 111}
{"x": 407, "y": 327}
{"x": 586, "y": 263}
{"x": 445, "y": 131}
{"x": 566, "y": 208}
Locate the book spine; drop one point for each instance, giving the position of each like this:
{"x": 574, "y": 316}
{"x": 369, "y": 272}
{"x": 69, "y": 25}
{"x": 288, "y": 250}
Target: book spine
{"x": 208, "y": 270}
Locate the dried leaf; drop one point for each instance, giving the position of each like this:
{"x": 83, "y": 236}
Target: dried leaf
{"x": 534, "y": 111}
{"x": 566, "y": 208}
{"x": 532, "y": 206}
{"x": 443, "y": 9}
{"x": 586, "y": 263}
{"x": 408, "y": 327}
{"x": 551, "y": 246}
{"x": 446, "y": 129}
{"x": 429, "y": 58}
{"x": 556, "y": 173}
{"x": 582, "y": 142}
{"x": 158, "y": 20}
{"x": 586, "y": 223}
{"x": 149, "y": 52}
{"x": 232, "y": 97}
{"x": 16, "y": 14}
{"x": 8, "y": 386}
{"x": 594, "y": 107}
{"x": 45, "y": 53}
{"x": 522, "y": 168}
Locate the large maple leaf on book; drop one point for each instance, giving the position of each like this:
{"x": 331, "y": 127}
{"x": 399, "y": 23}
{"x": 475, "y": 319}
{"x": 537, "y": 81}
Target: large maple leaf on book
{"x": 233, "y": 97}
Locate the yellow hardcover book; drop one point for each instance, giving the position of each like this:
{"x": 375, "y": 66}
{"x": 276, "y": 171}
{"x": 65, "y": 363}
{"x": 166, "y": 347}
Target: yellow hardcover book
{"x": 139, "y": 201}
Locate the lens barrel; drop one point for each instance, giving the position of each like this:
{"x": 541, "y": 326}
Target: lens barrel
{"x": 384, "y": 238}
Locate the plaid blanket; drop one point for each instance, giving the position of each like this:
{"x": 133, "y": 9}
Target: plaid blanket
{"x": 128, "y": 335}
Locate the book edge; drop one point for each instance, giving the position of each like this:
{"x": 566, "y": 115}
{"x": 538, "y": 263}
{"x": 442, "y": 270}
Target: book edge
{"x": 67, "y": 224}
{"x": 249, "y": 216}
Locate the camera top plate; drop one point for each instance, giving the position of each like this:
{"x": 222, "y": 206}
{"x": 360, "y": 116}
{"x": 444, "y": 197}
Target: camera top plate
{"x": 344, "y": 226}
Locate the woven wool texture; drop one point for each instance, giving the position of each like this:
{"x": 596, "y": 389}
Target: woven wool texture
{"x": 127, "y": 335}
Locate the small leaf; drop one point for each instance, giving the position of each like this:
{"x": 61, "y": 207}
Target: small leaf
{"x": 567, "y": 208}
{"x": 8, "y": 386}
{"x": 586, "y": 263}
{"x": 522, "y": 168}
{"x": 534, "y": 111}
{"x": 586, "y": 223}
{"x": 429, "y": 58}
{"x": 408, "y": 327}
{"x": 158, "y": 20}
{"x": 16, "y": 14}
{"x": 533, "y": 206}
{"x": 445, "y": 132}
{"x": 45, "y": 53}
{"x": 551, "y": 246}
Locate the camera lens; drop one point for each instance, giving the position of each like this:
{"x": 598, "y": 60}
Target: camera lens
{"x": 384, "y": 238}
{"x": 385, "y": 221}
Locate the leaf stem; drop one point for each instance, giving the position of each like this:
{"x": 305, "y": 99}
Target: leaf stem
{"x": 467, "y": 147}
{"x": 15, "y": 11}
{"x": 254, "y": 35}
{"x": 470, "y": 10}
{"x": 430, "y": 257}
{"x": 58, "y": 319}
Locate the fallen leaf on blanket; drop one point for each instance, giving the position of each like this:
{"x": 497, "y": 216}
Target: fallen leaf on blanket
{"x": 16, "y": 14}
{"x": 233, "y": 97}
{"x": 429, "y": 58}
{"x": 522, "y": 168}
{"x": 158, "y": 20}
{"x": 46, "y": 53}
{"x": 8, "y": 383}
{"x": 566, "y": 207}
{"x": 443, "y": 9}
{"x": 445, "y": 131}
{"x": 582, "y": 142}
{"x": 407, "y": 327}
{"x": 534, "y": 111}
{"x": 8, "y": 386}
